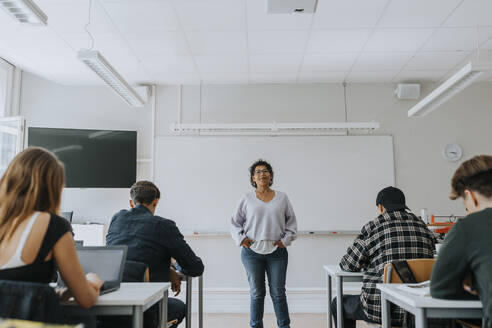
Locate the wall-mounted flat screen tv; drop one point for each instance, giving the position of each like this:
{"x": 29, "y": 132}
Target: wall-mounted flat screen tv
{"x": 92, "y": 158}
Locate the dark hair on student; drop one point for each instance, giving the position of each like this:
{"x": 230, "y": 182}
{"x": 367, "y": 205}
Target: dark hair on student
{"x": 252, "y": 168}
{"x": 144, "y": 192}
{"x": 475, "y": 174}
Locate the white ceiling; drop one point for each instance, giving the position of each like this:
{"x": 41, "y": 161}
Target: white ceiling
{"x": 235, "y": 41}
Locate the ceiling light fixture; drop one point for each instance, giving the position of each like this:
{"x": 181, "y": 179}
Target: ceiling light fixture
{"x": 451, "y": 87}
{"x": 96, "y": 62}
{"x": 25, "y": 11}
{"x": 328, "y": 128}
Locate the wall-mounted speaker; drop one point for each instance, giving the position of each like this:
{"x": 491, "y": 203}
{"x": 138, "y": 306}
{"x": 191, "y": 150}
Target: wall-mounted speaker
{"x": 408, "y": 91}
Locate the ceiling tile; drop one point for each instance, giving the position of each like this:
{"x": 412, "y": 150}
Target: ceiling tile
{"x": 272, "y": 78}
{"x": 487, "y": 44}
{"x": 258, "y": 19}
{"x": 321, "y": 77}
{"x": 277, "y": 64}
{"x": 337, "y": 40}
{"x": 217, "y": 43}
{"x": 212, "y": 14}
{"x": 417, "y": 13}
{"x": 372, "y": 61}
{"x": 142, "y": 16}
{"x": 457, "y": 39}
{"x": 222, "y": 64}
{"x": 419, "y": 76}
{"x": 348, "y": 13}
{"x": 157, "y": 43}
{"x": 215, "y": 78}
{"x": 277, "y": 42}
{"x": 72, "y": 17}
{"x": 397, "y": 39}
{"x": 471, "y": 13}
{"x": 329, "y": 62}
{"x": 436, "y": 60}
{"x": 372, "y": 77}
{"x": 160, "y": 65}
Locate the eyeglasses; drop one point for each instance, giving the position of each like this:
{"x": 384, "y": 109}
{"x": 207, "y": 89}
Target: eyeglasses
{"x": 258, "y": 172}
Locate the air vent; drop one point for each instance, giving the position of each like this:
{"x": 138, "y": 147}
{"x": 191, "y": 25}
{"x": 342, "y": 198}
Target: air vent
{"x": 291, "y": 6}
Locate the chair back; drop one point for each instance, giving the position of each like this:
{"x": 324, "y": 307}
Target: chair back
{"x": 29, "y": 301}
{"x": 421, "y": 269}
{"x": 135, "y": 272}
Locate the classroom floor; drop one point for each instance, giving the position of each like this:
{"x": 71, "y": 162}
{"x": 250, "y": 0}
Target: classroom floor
{"x": 241, "y": 321}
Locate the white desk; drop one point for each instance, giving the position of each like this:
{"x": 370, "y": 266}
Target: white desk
{"x": 424, "y": 307}
{"x": 335, "y": 272}
{"x": 133, "y": 298}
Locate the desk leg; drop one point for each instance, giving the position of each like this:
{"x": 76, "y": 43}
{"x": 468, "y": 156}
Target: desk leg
{"x": 164, "y": 309}
{"x": 188, "y": 301}
{"x": 339, "y": 281}
{"x": 137, "y": 317}
{"x": 329, "y": 294}
{"x": 385, "y": 312}
{"x": 420, "y": 318}
{"x": 200, "y": 302}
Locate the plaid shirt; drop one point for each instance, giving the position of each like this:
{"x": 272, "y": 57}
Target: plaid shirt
{"x": 392, "y": 236}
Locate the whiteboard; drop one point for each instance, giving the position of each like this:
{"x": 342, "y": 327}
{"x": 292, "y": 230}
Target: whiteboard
{"x": 332, "y": 181}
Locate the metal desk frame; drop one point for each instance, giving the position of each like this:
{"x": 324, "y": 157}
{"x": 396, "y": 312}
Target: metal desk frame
{"x": 336, "y": 273}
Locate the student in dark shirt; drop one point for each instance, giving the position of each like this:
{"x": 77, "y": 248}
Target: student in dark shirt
{"x": 34, "y": 241}
{"x": 464, "y": 264}
{"x": 154, "y": 240}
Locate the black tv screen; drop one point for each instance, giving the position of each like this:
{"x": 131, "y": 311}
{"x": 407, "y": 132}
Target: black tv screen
{"x": 92, "y": 158}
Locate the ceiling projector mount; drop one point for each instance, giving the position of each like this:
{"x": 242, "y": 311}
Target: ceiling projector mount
{"x": 291, "y": 6}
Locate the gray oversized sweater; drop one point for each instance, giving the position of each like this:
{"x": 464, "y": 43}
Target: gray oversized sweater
{"x": 258, "y": 220}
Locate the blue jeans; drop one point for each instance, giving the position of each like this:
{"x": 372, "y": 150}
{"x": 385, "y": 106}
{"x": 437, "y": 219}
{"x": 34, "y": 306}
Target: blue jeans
{"x": 275, "y": 266}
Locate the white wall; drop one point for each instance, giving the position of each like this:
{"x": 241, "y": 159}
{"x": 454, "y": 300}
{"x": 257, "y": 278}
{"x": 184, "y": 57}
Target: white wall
{"x": 47, "y": 104}
{"x": 421, "y": 171}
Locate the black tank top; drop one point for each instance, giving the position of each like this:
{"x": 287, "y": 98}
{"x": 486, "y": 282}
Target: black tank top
{"x": 40, "y": 271}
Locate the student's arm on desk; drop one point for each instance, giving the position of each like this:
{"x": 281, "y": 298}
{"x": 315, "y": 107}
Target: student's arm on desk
{"x": 451, "y": 267}
{"x": 180, "y": 250}
{"x": 356, "y": 259}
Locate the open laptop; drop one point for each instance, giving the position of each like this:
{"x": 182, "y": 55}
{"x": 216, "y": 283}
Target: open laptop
{"x": 106, "y": 261}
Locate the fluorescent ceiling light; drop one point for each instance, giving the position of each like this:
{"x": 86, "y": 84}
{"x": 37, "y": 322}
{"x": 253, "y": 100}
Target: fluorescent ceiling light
{"x": 101, "y": 67}
{"x": 451, "y": 87}
{"x": 25, "y": 11}
{"x": 275, "y": 128}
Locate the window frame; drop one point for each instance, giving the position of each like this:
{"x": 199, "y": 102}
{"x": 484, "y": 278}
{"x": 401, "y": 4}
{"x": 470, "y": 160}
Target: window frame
{"x": 9, "y": 88}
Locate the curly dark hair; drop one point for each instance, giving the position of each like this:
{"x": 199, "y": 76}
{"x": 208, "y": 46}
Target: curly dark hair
{"x": 252, "y": 168}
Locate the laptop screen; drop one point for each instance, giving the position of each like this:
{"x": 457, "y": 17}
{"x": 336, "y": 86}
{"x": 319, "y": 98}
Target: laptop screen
{"x": 107, "y": 262}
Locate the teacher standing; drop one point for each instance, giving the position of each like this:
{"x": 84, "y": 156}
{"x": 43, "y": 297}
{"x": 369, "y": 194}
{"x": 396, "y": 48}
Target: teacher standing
{"x": 264, "y": 225}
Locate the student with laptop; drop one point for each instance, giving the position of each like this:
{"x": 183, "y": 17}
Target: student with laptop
{"x": 154, "y": 240}
{"x": 395, "y": 235}
{"x": 34, "y": 240}
{"x": 464, "y": 265}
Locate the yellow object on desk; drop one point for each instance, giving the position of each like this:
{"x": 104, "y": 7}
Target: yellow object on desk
{"x": 14, "y": 323}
